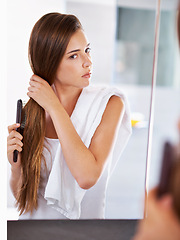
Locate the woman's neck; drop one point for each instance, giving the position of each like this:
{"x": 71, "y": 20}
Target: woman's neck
{"x": 68, "y": 96}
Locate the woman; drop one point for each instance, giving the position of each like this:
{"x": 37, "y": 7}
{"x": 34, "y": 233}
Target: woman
{"x": 70, "y": 141}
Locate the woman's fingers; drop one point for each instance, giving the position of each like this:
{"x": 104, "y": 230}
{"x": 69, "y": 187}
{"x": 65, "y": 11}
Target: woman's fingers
{"x": 13, "y": 127}
{"x": 31, "y": 89}
{"x": 14, "y": 147}
{"x": 36, "y": 86}
{"x": 36, "y": 78}
{"x": 14, "y": 141}
{"x": 38, "y": 82}
{"x": 32, "y": 83}
{"x": 14, "y": 134}
{"x": 14, "y": 144}
{"x": 40, "y": 90}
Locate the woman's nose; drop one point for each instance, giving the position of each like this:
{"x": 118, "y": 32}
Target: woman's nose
{"x": 87, "y": 62}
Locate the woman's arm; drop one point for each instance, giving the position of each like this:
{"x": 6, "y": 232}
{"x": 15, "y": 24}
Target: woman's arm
{"x": 85, "y": 164}
{"x": 14, "y": 142}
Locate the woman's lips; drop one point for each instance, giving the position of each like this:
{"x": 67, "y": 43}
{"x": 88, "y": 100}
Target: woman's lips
{"x": 87, "y": 75}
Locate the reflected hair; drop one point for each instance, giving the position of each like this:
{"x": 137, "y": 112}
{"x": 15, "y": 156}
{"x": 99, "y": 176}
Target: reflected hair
{"x": 174, "y": 186}
{"x": 47, "y": 45}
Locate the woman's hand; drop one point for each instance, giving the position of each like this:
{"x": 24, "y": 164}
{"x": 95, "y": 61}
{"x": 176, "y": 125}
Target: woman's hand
{"x": 161, "y": 222}
{"x": 14, "y": 142}
{"x": 42, "y": 93}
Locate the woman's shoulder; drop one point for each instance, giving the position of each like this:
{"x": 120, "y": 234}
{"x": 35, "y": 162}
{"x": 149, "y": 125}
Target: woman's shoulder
{"x": 97, "y": 97}
{"x": 116, "y": 101}
{"x": 103, "y": 90}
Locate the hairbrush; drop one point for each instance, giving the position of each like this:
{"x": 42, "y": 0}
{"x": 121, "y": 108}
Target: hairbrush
{"x": 20, "y": 120}
{"x": 168, "y": 160}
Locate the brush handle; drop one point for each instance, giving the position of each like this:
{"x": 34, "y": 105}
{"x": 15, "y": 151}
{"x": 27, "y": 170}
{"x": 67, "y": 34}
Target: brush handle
{"x": 15, "y": 155}
{"x": 18, "y": 120}
{"x": 166, "y": 169}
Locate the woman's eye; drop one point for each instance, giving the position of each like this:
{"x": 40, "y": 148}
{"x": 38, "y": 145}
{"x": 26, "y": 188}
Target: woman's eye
{"x": 88, "y": 50}
{"x": 73, "y": 56}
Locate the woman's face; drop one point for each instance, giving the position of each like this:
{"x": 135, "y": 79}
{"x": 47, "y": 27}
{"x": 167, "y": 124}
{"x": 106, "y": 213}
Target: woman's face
{"x": 75, "y": 67}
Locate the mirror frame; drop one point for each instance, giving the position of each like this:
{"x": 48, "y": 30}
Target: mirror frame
{"x": 152, "y": 102}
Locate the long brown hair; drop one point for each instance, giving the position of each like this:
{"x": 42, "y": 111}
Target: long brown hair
{"x": 48, "y": 42}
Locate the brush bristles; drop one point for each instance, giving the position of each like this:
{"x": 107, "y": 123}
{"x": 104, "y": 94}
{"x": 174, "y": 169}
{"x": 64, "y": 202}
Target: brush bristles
{"x": 23, "y": 103}
{"x": 23, "y": 119}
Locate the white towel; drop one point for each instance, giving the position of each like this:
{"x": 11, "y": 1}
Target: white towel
{"x": 62, "y": 191}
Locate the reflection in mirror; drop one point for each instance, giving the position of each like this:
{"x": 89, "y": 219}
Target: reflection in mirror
{"x": 167, "y": 92}
{"x": 126, "y": 53}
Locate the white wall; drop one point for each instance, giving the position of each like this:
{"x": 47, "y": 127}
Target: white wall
{"x": 3, "y": 169}
{"x": 99, "y": 22}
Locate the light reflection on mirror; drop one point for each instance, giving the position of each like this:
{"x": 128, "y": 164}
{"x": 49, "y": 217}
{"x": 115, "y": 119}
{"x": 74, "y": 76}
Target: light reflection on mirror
{"x": 128, "y": 45}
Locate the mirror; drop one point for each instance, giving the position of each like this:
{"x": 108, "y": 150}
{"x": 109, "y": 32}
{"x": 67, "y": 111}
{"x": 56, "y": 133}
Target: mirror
{"x": 167, "y": 89}
{"x": 123, "y": 36}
